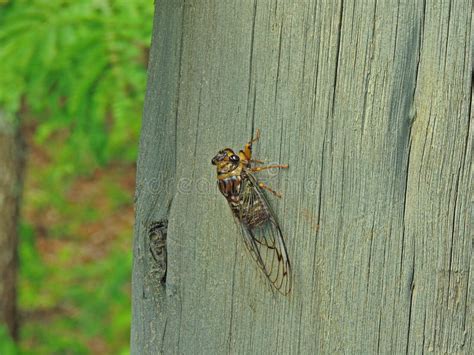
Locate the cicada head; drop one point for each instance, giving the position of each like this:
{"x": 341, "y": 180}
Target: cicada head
{"x": 225, "y": 161}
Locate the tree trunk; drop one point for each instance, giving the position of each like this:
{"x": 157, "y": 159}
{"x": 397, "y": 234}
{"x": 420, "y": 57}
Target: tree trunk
{"x": 11, "y": 169}
{"x": 370, "y": 105}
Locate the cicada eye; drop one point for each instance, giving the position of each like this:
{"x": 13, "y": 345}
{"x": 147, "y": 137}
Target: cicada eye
{"x": 234, "y": 158}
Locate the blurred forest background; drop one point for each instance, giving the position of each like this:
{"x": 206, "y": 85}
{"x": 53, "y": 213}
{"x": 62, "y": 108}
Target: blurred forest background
{"x": 73, "y": 76}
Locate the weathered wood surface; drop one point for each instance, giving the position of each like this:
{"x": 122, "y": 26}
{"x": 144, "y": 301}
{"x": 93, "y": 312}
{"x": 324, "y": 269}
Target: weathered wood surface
{"x": 370, "y": 104}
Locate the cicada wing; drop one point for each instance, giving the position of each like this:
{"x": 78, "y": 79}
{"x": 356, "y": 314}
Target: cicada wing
{"x": 262, "y": 235}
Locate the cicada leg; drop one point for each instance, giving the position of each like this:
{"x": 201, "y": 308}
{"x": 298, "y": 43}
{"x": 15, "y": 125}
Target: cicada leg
{"x": 248, "y": 147}
{"x": 263, "y": 186}
{"x": 260, "y": 168}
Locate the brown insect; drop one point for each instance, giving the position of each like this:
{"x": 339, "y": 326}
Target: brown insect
{"x": 259, "y": 227}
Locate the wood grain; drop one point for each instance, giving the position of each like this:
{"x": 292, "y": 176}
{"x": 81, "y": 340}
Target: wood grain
{"x": 370, "y": 103}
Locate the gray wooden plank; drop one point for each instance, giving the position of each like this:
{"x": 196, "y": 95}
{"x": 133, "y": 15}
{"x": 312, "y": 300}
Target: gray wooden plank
{"x": 370, "y": 104}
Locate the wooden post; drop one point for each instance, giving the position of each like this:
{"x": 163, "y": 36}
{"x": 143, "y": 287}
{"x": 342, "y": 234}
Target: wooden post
{"x": 369, "y": 102}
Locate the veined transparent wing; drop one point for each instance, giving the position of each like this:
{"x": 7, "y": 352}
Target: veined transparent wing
{"x": 262, "y": 235}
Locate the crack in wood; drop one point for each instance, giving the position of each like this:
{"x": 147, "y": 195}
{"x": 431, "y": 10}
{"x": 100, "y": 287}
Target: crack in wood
{"x": 157, "y": 233}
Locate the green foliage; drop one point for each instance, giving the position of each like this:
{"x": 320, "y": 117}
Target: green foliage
{"x": 75, "y": 70}
{"x": 79, "y": 65}
{"x": 33, "y": 272}
{"x": 7, "y": 346}
{"x": 86, "y": 301}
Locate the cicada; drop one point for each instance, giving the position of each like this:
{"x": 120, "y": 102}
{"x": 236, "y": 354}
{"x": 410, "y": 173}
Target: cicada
{"x": 259, "y": 227}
